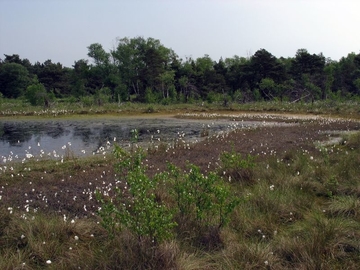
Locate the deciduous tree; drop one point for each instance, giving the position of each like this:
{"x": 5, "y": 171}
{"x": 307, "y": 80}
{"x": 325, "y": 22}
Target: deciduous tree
{"x": 14, "y": 78}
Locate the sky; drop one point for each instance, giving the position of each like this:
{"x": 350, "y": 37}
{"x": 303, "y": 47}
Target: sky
{"x": 61, "y": 30}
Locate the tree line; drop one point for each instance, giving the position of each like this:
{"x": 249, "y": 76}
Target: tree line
{"x": 144, "y": 70}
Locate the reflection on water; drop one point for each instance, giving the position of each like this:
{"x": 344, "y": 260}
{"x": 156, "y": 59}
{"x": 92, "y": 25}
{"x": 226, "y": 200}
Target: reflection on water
{"x": 20, "y": 139}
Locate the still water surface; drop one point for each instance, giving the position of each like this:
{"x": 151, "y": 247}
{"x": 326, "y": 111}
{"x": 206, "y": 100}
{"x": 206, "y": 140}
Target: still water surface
{"x": 91, "y": 135}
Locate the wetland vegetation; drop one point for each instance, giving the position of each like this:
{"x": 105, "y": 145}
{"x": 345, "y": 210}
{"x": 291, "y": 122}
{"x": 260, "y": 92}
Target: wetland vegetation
{"x": 283, "y": 193}
{"x": 262, "y": 197}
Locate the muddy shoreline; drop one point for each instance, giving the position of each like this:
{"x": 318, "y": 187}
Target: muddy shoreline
{"x": 59, "y": 187}
{"x": 85, "y": 135}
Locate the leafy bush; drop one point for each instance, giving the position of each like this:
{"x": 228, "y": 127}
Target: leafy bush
{"x": 150, "y": 96}
{"x": 135, "y": 205}
{"x": 86, "y": 101}
{"x": 205, "y": 198}
{"x": 36, "y": 94}
{"x": 205, "y": 201}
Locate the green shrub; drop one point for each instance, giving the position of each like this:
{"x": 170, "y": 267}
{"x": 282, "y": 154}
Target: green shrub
{"x": 204, "y": 205}
{"x": 87, "y": 101}
{"x": 150, "y": 96}
{"x": 36, "y": 94}
{"x": 135, "y": 205}
{"x": 206, "y": 199}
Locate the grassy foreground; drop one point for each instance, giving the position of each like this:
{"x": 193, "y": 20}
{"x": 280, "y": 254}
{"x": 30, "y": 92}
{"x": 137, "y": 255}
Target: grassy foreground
{"x": 296, "y": 210}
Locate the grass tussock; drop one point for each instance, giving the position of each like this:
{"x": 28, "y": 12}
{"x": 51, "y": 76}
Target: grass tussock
{"x": 296, "y": 209}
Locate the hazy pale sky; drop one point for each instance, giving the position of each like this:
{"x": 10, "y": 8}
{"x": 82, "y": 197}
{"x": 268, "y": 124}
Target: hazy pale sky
{"x": 61, "y": 30}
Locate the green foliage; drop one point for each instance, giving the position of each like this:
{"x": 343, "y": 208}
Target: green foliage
{"x": 36, "y": 94}
{"x": 166, "y": 101}
{"x": 313, "y": 90}
{"x": 99, "y": 55}
{"x": 14, "y": 79}
{"x": 237, "y": 168}
{"x": 135, "y": 205}
{"x": 233, "y": 160}
{"x": 357, "y": 84}
{"x": 336, "y": 96}
{"x": 150, "y": 97}
{"x": 213, "y": 97}
{"x": 72, "y": 100}
{"x": 87, "y": 101}
{"x": 172, "y": 94}
{"x": 256, "y": 94}
{"x": 205, "y": 199}
{"x": 331, "y": 185}
{"x": 268, "y": 88}
{"x": 137, "y": 64}
{"x": 121, "y": 93}
{"x": 238, "y": 96}
{"x": 134, "y": 136}
{"x": 167, "y": 83}
{"x": 102, "y": 96}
